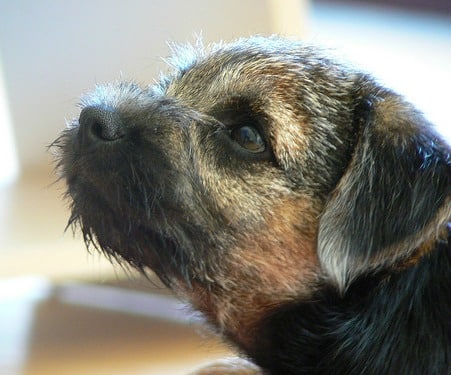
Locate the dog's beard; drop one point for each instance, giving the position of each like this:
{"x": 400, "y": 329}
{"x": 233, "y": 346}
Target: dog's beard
{"x": 132, "y": 209}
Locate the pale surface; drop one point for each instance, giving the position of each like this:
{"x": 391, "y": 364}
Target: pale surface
{"x": 48, "y": 336}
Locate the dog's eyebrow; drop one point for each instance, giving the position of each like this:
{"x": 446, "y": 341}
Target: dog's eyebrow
{"x": 234, "y": 107}
{"x": 239, "y": 112}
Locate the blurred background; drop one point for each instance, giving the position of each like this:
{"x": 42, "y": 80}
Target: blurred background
{"x": 64, "y": 311}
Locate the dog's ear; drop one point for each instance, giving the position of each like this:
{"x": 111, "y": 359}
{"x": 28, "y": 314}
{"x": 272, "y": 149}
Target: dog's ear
{"x": 394, "y": 195}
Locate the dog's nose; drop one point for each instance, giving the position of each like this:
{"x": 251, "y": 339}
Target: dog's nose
{"x": 101, "y": 124}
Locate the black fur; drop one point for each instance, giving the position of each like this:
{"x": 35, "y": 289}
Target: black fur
{"x": 387, "y": 323}
{"x": 402, "y": 181}
{"x": 396, "y": 183}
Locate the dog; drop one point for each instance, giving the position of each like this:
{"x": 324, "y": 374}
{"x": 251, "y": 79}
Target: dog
{"x": 300, "y": 206}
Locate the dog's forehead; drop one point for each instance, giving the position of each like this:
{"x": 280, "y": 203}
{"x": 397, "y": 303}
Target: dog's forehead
{"x": 248, "y": 68}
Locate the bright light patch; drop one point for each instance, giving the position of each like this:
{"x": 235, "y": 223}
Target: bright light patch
{"x": 408, "y": 52}
{"x": 9, "y": 166}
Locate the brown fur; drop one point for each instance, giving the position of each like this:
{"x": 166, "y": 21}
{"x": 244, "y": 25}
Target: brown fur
{"x": 273, "y": 279}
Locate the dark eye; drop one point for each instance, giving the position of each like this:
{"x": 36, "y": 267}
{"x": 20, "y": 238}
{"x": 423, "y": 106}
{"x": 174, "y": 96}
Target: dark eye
{"x": 249, "y": 138}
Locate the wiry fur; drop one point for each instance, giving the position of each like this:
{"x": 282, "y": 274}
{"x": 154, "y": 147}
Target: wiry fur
{"x": 326, "y": 252}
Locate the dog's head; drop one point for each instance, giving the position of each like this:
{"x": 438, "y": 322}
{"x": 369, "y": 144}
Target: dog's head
{"x": 253, "y": 174}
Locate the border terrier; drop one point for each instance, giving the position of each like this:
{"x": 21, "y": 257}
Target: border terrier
{"x": 303, "y": 208}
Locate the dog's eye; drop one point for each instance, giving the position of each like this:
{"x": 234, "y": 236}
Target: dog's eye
{"x": 249, "y": 138}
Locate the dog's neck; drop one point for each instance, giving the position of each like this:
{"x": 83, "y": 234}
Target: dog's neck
{"x": 387, "y": 323}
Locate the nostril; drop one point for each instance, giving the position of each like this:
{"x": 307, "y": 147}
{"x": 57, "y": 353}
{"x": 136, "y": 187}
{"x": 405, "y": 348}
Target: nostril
{"x": 102, "y": 123}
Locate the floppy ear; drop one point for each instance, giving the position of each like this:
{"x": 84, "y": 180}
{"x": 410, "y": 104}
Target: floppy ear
{"x": 394, "y": 196}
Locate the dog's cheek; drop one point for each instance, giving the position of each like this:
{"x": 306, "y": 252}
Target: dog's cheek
{"x": 242, "y": 196}
{"x": 280, "y": 253}
{"x": 269, "y": 267}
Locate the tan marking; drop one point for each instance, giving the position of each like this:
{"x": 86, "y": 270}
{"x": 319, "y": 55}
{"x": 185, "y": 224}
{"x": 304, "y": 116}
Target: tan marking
{"x": 273, "y": 266}
{"x": 418, "y": 244}
{"x": 429, "y": 245}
